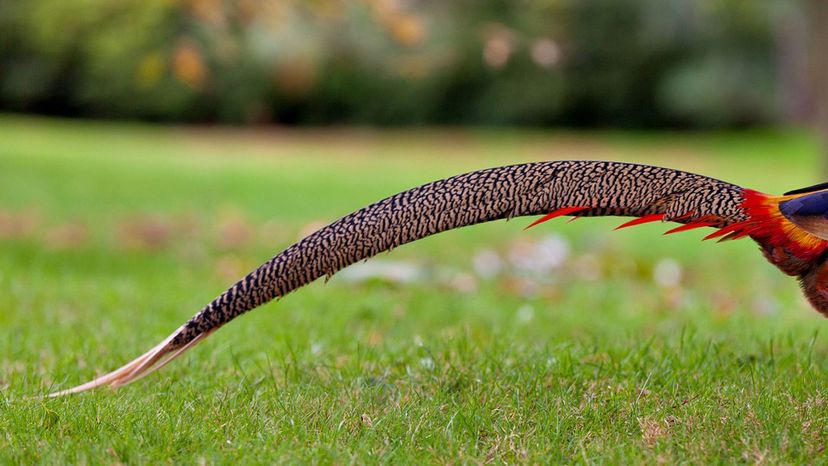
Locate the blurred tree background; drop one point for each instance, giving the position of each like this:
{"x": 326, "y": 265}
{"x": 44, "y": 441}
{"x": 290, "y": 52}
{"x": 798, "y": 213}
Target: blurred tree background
{"x": 580, "y": 63}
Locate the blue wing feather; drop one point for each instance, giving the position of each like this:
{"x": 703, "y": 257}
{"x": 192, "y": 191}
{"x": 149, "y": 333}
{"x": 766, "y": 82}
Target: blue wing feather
{"x": 811, "y": 205}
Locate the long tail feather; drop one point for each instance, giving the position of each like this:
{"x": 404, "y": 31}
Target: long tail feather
{"x": 608, "y": 188}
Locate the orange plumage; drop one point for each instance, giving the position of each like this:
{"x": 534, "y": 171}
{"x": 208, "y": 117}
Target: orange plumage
{"x": 769, "y": 227}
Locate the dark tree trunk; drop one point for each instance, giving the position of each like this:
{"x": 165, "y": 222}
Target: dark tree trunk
{"x": 792, "y": 56}
{"x": 818, "y": 13}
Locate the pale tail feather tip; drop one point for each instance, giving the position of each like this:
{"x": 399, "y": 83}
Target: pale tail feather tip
{"x": 154, "y": 359}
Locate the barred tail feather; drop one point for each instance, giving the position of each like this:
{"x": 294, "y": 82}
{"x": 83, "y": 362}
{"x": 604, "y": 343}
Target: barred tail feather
{"x": 582, "y": 188}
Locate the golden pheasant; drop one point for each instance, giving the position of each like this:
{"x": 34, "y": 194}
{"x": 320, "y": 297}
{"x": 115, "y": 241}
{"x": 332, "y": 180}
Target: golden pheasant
{"x": 792, "y": 231}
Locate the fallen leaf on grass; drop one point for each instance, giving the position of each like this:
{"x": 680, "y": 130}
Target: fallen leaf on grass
{"x": 16, "y": 225}
{"x": 67, "y": 236}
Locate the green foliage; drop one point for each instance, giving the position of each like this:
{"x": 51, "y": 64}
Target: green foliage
{"x": 530, "y": 62}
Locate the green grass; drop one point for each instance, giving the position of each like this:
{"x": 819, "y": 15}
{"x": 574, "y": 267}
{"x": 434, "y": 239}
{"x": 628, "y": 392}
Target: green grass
{"x": 113, "y": 235}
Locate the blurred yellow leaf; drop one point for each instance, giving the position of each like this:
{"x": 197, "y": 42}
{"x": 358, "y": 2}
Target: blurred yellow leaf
{"x": 150, "y": 70}
{"x": 408, "y": 30}
{"x": 188, "y": 65}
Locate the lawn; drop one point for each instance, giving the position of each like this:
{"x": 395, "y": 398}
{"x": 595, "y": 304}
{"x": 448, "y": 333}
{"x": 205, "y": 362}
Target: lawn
{"x": 568, "y": 343}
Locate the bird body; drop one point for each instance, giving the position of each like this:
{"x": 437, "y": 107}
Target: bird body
{"x": 788, "y": 229}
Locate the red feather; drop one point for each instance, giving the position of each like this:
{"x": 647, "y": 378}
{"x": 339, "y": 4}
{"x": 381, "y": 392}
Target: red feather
{"x": 700, "y": 223}
{"x": 732, "y": 228}
{"x": 556, "y": 214}
{"x": 642, "y": 220}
